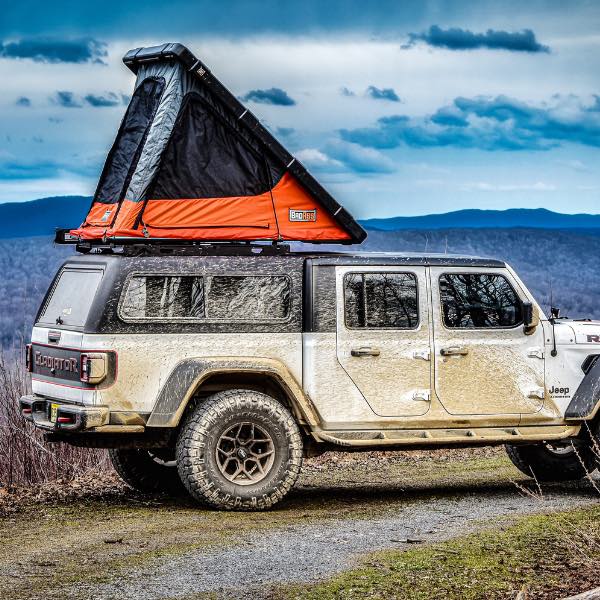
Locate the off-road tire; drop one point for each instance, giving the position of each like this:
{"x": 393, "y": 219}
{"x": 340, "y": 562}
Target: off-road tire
{"x": 144, "y": 472}
{"x": 201, "y": 435}
{"x": 539, "y": 461}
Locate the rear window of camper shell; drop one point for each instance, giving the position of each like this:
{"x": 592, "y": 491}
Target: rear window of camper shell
{"x": 69, "y": 302}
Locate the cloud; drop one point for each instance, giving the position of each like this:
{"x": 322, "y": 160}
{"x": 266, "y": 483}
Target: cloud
{"x": 382, "y": 94}
{"x": 484, "y": 186}
{"x": 12, "y": 168}
{"x": 449, "y": 115}
{"x": 273, "y": 95}
{"x": 342, "y": 157}
{"x": 285, "y": 131}
{"x": 66, "y": 99}
{"x": 54, "y": 50}
{"x": 499, "y": 123}
{"x": 108, "y": 99}
{"x": 575, "y": 165}
{"x": 23, "y": 101}
{"x": 359, "y": 159}
{"x": 344, "y": 91}
{"x": 71, "y": 100}
{"x": 22, "y": 168}
{"x": 317, "y": 160}
{"x": 456, "y": 38}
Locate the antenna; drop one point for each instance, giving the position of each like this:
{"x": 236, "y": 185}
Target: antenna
{"x": 553, "y": 316}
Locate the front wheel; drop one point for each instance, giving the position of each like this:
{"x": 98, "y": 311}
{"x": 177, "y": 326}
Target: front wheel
{"x": 239, "y": 450}
{"x": 553, "y": 461}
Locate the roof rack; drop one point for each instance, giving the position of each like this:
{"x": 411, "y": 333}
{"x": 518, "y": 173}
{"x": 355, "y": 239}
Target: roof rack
{"x": 166, "y": 247}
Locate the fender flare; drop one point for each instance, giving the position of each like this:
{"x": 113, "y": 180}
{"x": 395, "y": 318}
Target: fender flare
{"x": 586, "y": 399}
{"x": 188, "y": 375}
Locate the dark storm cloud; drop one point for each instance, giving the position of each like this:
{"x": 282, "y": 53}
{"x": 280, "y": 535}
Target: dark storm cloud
{"x": 71, "y": 100}
{"x": 67, "y": 99}
{"x": 285, "y": 131}
{"x": 273, "y": 95}
{"x": 450, "y": 115}
{"x": 456, "y": 38}
{"x": 152, "y": 19}
{"x": 382, "y": 94}
{"x": 499, "y": 123}
{"x": 23, "y": 101}
{"x": 54, "y": 50}
{"x": 104, "y": 100}
{"x": 27, "y": 169}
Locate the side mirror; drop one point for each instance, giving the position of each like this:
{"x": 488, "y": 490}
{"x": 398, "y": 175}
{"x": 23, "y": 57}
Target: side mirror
{"x": 530, "y": 318}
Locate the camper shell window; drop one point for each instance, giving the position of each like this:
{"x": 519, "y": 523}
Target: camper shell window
{"x": 206, "y": 298}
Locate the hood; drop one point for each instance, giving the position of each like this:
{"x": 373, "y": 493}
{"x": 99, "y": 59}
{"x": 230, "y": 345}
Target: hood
{"x": 586, "y": 332}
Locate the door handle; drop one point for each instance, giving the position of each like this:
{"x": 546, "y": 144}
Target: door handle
{"x": 454, "y": 351}
{"x": 365, "y": 351}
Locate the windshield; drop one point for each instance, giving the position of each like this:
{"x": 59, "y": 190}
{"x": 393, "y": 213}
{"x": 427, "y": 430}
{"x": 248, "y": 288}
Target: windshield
{"x": 71, "y": 298}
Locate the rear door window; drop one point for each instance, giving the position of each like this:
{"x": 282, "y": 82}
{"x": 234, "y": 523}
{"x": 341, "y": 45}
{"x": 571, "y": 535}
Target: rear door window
{"x": 70, "y": 300}
{"x": 381, "y": 301}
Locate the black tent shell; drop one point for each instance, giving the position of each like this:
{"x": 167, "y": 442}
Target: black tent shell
{"x": 153, "y": 148}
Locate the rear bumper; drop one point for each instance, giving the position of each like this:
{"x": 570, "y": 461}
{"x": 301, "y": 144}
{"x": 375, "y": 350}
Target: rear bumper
{"x": 74, "y": 417}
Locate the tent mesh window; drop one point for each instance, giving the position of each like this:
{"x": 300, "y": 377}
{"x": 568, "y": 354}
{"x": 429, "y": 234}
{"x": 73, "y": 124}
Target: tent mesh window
{"x": 207, "y": 157}
{"x": 125, "y": 152}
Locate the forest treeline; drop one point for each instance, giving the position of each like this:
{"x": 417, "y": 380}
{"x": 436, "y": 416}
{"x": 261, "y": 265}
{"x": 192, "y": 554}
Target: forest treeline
{"x": 564, "y": 263}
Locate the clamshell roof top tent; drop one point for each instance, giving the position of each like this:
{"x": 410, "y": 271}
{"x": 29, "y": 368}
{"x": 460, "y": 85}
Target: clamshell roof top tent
{"x": 190, "y": 162}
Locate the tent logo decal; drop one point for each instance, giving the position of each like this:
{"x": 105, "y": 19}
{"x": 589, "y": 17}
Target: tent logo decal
{"x": 106, "y": 215}
{"x": 303, "y": 216}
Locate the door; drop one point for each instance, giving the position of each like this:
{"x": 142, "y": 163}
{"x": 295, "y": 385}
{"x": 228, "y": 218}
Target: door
{"x": 383, "y": 340}
{"x": 484, "y": 362}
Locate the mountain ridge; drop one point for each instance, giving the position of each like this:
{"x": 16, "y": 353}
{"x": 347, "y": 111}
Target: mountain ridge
{"x": 43, "y": 216}
{"x": 474, "y": 218}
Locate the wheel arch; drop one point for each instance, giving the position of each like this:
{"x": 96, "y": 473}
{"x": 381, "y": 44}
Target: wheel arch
{"x": 194, "y": 379}
{"x": 585, "y": 403}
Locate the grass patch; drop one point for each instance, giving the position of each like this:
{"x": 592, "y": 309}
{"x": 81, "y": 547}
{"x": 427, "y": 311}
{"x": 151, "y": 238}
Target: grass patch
{"x": 549, "y": 556}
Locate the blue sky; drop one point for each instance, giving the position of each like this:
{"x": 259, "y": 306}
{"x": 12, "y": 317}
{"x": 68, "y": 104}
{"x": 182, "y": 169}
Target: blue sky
{"x": 399, "y": 108}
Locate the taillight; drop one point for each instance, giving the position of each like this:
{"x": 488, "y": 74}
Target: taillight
{"x": 86, "y": 367}
{"x": 93, "y": 367}
{"x": 29, "y": 357}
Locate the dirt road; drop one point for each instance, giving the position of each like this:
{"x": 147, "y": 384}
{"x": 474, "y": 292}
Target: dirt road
{"x": 116, "y": 544}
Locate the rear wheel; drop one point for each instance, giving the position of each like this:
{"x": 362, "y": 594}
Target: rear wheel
{"x": 553, "y": 461}
{"x": 239, "y": 450}
{"x": 148, "y": 471}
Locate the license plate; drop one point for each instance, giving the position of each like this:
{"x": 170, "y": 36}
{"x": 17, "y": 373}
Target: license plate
{"x": 53, "y": 412}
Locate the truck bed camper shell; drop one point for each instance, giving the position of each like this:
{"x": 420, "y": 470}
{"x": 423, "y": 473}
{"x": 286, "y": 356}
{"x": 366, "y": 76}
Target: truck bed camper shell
{"x": 191, "y": 163}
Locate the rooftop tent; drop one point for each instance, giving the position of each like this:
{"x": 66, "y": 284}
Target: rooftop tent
{"x": 191, "y": 162}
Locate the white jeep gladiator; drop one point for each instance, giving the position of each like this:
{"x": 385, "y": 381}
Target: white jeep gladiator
{"x": 218, "y": 371}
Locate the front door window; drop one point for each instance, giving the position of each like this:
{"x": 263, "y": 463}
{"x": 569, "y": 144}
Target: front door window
{"x": 485, "y": 364}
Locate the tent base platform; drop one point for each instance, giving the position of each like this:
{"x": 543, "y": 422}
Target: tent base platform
{"x": 165, "y": 247}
